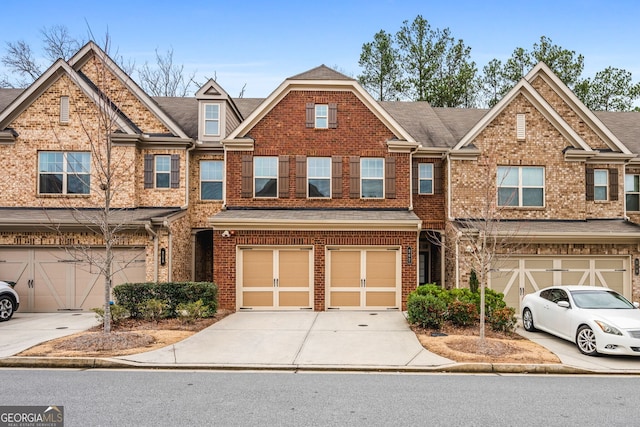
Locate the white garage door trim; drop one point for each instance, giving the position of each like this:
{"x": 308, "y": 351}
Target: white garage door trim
{"x": 517, "y": 276}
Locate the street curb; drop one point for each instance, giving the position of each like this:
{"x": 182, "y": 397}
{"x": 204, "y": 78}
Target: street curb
{"x": 468, "y": 368}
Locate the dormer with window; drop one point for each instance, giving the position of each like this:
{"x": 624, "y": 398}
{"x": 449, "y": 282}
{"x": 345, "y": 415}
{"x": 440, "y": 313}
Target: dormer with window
{"x": 215, "y": 111}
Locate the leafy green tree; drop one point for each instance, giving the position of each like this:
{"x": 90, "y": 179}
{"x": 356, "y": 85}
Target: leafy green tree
{"x": 492, "y": 82}
{"x": 610, "y": 90}
{"x": 382, "y": 75}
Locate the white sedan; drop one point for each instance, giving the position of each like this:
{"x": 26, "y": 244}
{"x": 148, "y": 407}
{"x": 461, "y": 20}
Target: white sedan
{"x": 598, "y": 320}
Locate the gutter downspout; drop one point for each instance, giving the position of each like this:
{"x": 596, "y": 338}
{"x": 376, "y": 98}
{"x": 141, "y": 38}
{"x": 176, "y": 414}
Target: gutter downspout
{"x": 186, "y": 176}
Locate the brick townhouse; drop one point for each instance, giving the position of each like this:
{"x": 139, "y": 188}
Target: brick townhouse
{"x": 317, "y": 197}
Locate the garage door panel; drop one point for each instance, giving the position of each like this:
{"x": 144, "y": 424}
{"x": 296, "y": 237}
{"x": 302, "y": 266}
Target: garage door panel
{"x": 575, "y": 277}
{"x": 344, "y": 299}
{"x": 293, "y": 299}
{"x": 258, "y": 298}
{"x": 381, "y": 269}
{"x": 294, "y": 269}
{"x": 257, "y": 269}
{"x": 345, "y": 269}
{"x": 89, "y": 290}
{"x": 381, "y": 299}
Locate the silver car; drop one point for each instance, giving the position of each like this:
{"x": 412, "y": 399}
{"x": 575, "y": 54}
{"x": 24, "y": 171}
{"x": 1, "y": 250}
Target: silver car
{"x": 597, "y": 319}
{"x": 9, "y": 300}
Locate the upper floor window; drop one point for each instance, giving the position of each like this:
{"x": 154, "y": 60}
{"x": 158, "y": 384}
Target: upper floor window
{"x": 600, "y": 184}
{"x": 520, "y": 186}
{"x": 64, "y": 172}
{"x": 372, "y": 178}
{"x": 632, "y": 192}
{"x": 425, "y": 178}
{"x": 211, "y": 172}
{"x": 319, "y": 176}
{"x": 163, "y": 171}
{"x": 322, "y": 116}
{"x": 212, "y": 119}
{"x": 265, "y": 172}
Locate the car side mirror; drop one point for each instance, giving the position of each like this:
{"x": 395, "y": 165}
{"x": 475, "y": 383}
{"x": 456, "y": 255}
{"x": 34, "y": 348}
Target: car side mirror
{"x": 564, "y": 304}
{"x": 636, "y": 304}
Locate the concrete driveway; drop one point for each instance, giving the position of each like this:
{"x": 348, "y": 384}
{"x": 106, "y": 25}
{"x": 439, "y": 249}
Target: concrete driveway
{"x": 25, "y": 330}
{"x": 309, "y": 339}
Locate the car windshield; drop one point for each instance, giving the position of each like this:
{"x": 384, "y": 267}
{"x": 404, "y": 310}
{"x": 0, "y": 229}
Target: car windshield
{"x": 600, "y": 299}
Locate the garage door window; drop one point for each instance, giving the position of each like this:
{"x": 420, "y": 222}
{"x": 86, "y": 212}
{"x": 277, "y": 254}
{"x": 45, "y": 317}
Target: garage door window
{"x": 64, "y": 172}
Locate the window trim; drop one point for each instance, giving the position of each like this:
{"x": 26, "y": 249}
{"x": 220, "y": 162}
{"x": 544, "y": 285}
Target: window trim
{"x": 636, "y": 178}
{"x": 256, "y": 176}
{"x": 221, "y": 180}
{"x": 604, "y": 172}
{"x": 319, "y": 116}
{"x": 420, "y": 179}
{"x": 327, "y": 178}
{"x": 205, "y": 120}
{"x": 520, "y": 187}
{"x": 157, "y": 172}
{"x": 381, "y": 178}
{"x": 64, "y": 191}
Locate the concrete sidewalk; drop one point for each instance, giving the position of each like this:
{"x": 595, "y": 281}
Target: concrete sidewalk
{"x": 329, "y": 340}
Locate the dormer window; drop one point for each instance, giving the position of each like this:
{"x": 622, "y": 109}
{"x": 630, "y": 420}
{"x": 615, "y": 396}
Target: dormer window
{"x": 212, "y": 119}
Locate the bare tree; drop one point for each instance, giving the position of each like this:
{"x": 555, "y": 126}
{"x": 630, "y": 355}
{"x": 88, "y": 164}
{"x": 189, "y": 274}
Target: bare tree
{"x": 165, "y": 78}
{"x": 58, "y": 43}
{"x": 20, "y": 59}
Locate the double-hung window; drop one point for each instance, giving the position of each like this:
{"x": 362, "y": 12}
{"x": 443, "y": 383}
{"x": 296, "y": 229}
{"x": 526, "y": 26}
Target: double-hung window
{"x": 372, "y": 178}
{"x": 319, "y": 177}
{"x": 64, "y": 172}
{"x": 425, "y": 178}
{"x": 212, "y": 119}
{"x": 211, "y": 180}
{"x": 265, "y": 172}
{"x": 600, "y": 184}
{"x": 163, "y": 171}
{"x": 632, "y": 192}
{"x": 322, "y": 116}
{"x": 520, "y": 186}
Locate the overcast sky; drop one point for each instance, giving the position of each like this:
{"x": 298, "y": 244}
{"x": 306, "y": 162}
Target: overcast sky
{"x": 261, "y": 43}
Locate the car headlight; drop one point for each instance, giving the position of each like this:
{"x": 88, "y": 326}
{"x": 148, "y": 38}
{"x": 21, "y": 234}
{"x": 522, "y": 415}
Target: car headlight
{"x": 608, "y": 329}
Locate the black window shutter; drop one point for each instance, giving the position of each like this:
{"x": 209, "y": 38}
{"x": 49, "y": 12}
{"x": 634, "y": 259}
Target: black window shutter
{"x": 175, "y": 171}
{"x": 333, "y": 116}
{"x": 589, "y": 183}
{"x": 283, "y": 176}
{"x": 390, "y": 177}
{"x": 247, "y": 176}
{"x": 148, "y": 171}
{"x": 336, "y": 177}
{"x": 415, "y": 181}
{"x": 354, "y": 177}
{"x": 311, "y": 115}
{"x": 613, "y": 184}
{"x": 301, "y": 177}
{"x": 437, "y": 178}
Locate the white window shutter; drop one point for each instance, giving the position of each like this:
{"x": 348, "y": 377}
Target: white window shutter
{"x": 520, "y": 127}
{"x": 64, "y": 109}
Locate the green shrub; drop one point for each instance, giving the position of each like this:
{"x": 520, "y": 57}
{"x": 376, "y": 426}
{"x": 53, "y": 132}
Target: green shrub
{"x": 153, "y": 309}
{"x": 189, "y": 312}
{"x": 503, "y": 319}
{"x": 493, "y": 301}
{"x": 118, "y": 313}
{"x": 132, "y": 295}
{"x": 473, "y": 282}
{"x": 462, "y": 313}
{"x": 427, "y": 311}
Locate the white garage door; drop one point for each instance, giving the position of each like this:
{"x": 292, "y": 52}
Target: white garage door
{"x": 517, "y": 277}
{"x": 275, "y": 278}
{"x": 50, "y": 280}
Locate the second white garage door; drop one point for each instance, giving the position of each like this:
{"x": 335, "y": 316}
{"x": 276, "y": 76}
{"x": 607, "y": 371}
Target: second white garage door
{"x": 520, "y": 276}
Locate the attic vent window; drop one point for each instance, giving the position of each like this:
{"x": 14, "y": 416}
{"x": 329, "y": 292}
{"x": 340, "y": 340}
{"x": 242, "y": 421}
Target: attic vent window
{"x": 520, "y": 127}
{"x": 64, "y": 109}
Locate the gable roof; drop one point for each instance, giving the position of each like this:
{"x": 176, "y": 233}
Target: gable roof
{"x": 92, "y": 49}
{"x": 320, "y": 78}
{"x": 42, "y": 83}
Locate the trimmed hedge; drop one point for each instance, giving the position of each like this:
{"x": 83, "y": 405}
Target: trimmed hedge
{"x": 132, "y": 296}
{"x": 430, "y": 306}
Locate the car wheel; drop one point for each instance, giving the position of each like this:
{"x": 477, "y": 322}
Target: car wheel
{"x": 6, "y": 308}
{"x": 527, "y": 321}
{"x": 586, "y": 341}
